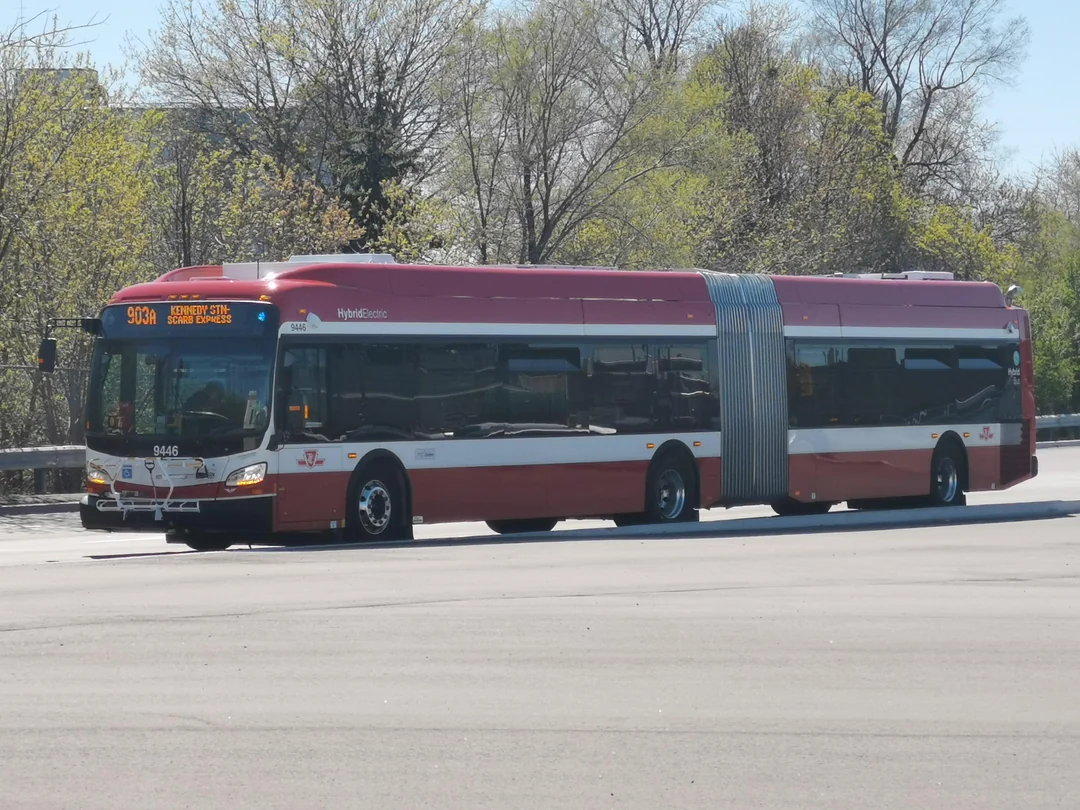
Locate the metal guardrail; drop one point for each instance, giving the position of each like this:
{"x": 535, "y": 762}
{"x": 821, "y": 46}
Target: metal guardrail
{"x": 1060, "y": 420}
{"x": 73, "y": 456}
{"x": 63, "y": 456}
{"x": 43, "y": 459}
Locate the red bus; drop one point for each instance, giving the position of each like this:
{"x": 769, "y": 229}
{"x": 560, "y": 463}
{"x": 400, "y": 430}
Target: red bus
{"x": 357, "y": 396}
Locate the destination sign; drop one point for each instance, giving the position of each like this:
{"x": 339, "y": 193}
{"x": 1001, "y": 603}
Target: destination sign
{"x": 212, "y": 319}
{"x": 181, "y": 315}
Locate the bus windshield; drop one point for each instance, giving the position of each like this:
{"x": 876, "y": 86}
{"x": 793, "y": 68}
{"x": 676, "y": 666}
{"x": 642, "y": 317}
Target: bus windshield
{"x": 193, "y": 388}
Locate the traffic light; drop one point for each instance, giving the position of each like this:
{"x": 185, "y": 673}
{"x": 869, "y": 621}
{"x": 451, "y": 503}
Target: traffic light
{"x": 46, "y": 359}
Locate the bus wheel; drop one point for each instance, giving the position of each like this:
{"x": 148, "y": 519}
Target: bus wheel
{"x": 522, "y": 526}
{"x": 669, "y": 490}
{"x": 204, "y": 542}
{"x": 376, "y": 508}
{"x": 947, "y": 475}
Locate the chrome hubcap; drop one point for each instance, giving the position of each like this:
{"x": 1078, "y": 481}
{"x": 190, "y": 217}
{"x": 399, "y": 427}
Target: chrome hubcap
{"x": 670, "y": 495}
{"x": 374, "y": 507}
{"x": 948, "y": 481}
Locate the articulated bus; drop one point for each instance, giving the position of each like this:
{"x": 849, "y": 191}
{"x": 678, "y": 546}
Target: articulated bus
{"x": 355, "y": 397}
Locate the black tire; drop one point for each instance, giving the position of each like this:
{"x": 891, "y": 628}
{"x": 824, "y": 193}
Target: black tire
{"x": 671, "y": 490}
{"x": 377, "y": 508}
{"x": 522, "y": 526}
{"x": 789, "y": 507}
{"x": 207, "y": 543}
{"x": 948, "y": 473}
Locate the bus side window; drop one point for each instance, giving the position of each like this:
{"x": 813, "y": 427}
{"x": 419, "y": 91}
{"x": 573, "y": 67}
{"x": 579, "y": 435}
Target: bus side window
{"x": 871, "y": 386}
{"x": 814, "y": 378}
{"x": 983, "y": 384}
{"x": 622, "y": 389}
{"x": 929, "y": 384}
{"x": 372, "y": 392}
{"x": 544, "y": 388}
{"x": 685, "y": 397}
{"x": 303, "y": 393}
{"x": 456, "y": 385}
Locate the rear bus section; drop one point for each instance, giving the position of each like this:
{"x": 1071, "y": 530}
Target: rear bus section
{"x": 905, "y": 387}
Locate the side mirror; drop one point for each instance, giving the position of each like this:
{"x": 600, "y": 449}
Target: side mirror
{"x": 1010, "y": 294}
{"x": 46, "y": 359}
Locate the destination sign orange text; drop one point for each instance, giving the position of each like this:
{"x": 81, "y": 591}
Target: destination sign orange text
{"x": 182, "y": 315}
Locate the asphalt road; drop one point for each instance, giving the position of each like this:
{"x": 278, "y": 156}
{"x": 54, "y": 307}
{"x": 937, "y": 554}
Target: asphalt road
{"x": 910, "y": 668}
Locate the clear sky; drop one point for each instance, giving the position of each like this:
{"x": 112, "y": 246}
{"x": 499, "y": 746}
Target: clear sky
{"x": 1040, "y": 112}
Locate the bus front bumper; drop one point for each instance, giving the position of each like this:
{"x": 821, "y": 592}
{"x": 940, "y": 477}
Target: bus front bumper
{"x": 246, "y": 516}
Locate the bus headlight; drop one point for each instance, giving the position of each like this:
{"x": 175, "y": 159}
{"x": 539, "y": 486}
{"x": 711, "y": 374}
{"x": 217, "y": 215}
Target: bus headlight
{"x": 96, "y": 474}
{"x": 247, "y": 476}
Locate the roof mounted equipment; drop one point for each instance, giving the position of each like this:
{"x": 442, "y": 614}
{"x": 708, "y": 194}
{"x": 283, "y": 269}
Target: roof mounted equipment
{"x": 906, "y": 275}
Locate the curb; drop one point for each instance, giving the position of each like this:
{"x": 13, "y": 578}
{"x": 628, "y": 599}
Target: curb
{"x": 833, "y": 522}
{"x": 849, "y": 521}
{"x": 858, "y": 520}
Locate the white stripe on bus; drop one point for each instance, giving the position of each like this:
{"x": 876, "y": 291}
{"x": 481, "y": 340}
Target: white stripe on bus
{"x": 506, "y": 452}
{"x": 889, "y": 332}
{"x": 497, "y": 452}
{"x": 577, "y": 330}
{"x": 465, "y": 454}
{"x": 886, "y": 439}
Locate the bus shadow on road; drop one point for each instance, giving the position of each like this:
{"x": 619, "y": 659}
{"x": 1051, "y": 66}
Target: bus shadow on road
{"x": 836, "y": 522}
{"x": 138, "y": 555}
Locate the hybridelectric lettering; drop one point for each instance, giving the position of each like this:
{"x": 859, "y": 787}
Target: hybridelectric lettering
{"x": 361, "y": 314}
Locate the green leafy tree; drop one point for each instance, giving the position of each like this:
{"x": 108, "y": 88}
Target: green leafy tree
{"x": 252, "y": 209}
{"x": 813, "y": 187}
{"x": 345, "y": 93}
{"x": 947, "y": 239}
{"x": 80, "y": 182}
{"x": 1050, "y": 277}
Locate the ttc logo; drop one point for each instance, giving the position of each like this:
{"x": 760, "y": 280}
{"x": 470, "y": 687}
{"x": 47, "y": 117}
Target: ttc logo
{"x": 311, "y": 459}
{"x": 986, "y": 434}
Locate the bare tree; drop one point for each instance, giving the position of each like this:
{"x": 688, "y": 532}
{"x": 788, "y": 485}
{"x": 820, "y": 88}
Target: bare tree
{"x": 927, "y": 62}
{"x": 349, "y": 92}
{"x": 1059, "y": 183}
{"x": 656, "y": 31}
{"x": 376, "y": 73}
{"x": 181, "y": 239}
{"x": 237, "y": 64}
{"x": 484, "y": 129}
{"x": 552, "y": 129}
